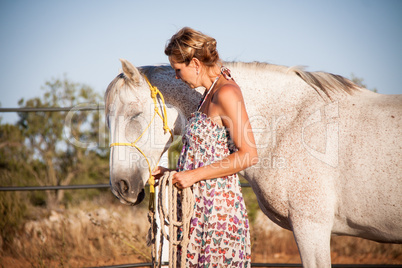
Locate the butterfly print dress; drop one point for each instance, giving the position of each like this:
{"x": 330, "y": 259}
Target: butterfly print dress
{"x": 219, "y": 234}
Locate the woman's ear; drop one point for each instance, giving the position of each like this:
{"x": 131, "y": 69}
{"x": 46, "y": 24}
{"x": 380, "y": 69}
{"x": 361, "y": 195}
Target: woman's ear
{"x": 195, "y": 63}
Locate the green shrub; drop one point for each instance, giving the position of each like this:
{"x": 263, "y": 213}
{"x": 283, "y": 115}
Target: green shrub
{"x": 12, "y": 211}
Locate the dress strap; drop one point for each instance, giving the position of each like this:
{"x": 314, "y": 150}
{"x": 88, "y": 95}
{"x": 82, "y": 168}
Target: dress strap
{"x": 225, "y": 72}
{"x": 207, "y": 93}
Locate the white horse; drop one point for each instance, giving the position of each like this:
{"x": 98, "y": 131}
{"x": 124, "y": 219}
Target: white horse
{"x": 329, "y": 151}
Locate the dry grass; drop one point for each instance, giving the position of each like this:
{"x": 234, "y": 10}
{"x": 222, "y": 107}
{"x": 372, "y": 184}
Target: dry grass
{"x": 104, "y": 232}
{"x": 92, "y": 234}
{"x": 271, "y": 243}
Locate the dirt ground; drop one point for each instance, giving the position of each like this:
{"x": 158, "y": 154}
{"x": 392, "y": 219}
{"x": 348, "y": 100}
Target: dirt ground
{"x": 7, "y": 262}
{"x": 364, "y": 259}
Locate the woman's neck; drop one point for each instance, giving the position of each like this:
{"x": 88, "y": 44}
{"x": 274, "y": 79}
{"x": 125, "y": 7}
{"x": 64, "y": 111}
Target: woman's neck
{"x": 207, "y": 79}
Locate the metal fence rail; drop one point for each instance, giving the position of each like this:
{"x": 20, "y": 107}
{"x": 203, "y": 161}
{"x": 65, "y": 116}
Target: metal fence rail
{"x": 64, "y": 187}
{"x": 60, "y": 187}
{"x": 52, "y": 109}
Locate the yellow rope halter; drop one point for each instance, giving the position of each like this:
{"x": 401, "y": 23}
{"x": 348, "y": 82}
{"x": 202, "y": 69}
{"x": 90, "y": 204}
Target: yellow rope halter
{"x": 154, "y": 94}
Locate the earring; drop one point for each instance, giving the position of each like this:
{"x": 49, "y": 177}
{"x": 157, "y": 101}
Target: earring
{"x": 196, "y": 71}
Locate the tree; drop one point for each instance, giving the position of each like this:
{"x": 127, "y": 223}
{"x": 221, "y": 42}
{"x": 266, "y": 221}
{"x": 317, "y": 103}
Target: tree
{"x": 52, "y": 157}
{"x": 12, "y": 204}
{"x": 359, "y": 81}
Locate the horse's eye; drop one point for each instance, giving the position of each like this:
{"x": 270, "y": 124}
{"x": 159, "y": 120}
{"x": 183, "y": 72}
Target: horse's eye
{"x": 136, "y": 115}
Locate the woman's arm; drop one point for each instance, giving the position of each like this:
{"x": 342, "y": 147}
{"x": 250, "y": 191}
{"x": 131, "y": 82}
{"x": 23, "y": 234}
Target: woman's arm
{"x": 232, "y": 111}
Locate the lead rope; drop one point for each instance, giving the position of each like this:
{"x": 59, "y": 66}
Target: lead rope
{"x": 178, "y": 225}
{"x": 169, "y": 216}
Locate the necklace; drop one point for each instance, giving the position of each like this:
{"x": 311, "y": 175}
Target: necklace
{"x": 209, "y": 90}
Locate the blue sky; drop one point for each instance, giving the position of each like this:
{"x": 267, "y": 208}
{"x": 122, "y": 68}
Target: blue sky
{"x": 83, "y": 40}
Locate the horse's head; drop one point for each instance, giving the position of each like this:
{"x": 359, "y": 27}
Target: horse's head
{"x": 136, "y": 133}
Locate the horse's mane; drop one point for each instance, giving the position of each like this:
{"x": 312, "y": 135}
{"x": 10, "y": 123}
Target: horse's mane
{"x": 326, "y": 82}
{"x": 322, "y": 82}
{"x": 151, "y": 69}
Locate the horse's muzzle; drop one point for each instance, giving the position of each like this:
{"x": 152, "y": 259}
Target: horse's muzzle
{"x": 123, "y": 194}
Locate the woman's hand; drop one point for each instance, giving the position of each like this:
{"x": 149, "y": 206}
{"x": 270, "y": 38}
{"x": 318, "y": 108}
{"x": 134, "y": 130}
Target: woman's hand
{"x": 158, "y": 173}
{"x": 183, "y": 179}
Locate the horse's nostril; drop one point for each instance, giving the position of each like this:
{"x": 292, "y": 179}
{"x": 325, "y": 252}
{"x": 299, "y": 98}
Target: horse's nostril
{"x": 140, "y": 197}
{"x": 123, "y": 186}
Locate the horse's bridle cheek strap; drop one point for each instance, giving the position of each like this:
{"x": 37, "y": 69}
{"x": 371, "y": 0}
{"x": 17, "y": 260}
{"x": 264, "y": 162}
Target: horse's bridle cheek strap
{"x": 154, "y": 93}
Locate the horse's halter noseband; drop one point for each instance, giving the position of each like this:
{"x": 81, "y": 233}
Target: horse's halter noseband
{"x": 154, "y": 93}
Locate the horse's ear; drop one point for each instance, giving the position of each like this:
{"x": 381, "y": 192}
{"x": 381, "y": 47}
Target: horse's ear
{"x": 130, "y": 71}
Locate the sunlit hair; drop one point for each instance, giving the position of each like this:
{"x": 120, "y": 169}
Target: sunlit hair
{"x": 188, "y": 43}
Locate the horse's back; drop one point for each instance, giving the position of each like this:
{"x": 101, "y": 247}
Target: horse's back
{"x": 369, "y": 187}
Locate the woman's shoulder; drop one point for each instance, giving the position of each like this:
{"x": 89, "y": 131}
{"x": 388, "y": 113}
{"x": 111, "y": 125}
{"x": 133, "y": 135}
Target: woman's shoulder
{"x": 229, "y": 91}
{"x": 228, "y": 98}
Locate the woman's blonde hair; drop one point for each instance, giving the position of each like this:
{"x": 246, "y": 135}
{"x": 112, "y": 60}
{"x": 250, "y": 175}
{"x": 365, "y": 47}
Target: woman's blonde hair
{"x": 188, "y": 43}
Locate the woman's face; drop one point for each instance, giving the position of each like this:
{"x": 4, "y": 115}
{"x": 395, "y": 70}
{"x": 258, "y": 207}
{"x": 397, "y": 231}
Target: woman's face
{"x": 186, "y": 73}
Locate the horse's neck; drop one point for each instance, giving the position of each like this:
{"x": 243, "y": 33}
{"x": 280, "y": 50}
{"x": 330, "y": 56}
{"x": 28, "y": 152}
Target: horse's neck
{"x": 180, "y": 100}
{"x": 175, "y": 92}
{"x": 259, "y": 86}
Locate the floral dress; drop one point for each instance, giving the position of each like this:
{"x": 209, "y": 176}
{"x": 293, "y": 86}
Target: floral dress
{"x": 219, "y": 234}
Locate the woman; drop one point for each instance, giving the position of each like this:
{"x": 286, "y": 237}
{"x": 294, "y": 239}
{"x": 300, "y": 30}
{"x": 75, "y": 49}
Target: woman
{"x": 217, "y": 143}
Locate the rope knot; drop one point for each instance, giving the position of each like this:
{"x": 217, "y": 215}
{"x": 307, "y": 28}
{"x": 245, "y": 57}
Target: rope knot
{"x": 154, "y": 93}
{"x": 166, "y": 128}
